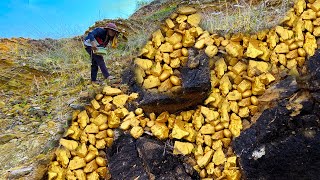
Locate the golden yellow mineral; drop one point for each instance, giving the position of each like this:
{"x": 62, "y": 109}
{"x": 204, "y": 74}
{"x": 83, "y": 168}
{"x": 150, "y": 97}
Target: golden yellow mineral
{"x": 282, "y": 48}
{"x": 160, "y": 130}
{"x": 218, "y": 157}
{"x": 203, "y": 161}
{"x": 95, "y": 104}
{"x": 186, "y": 10}
{"x": 109, "y": 91}
{"x": 225, "y": 85}
{"x": 310, "y": 44}
{"x": 101, "y": 161}
{"x": 316, "y": 6}
{"x": 235, "y": 125}
{"x": 92, "y": 128}
{"x": 82, "y": 150}
{"x": 166, "y": 48}
{"x": 211, "y": 51}
{"x": 257, "y": 67}
{"x": 233, "y": 174}
{"x": 175, "y": 39}
{"x": 178, "y": 131}
{"x": 157, "y": 38}
{"x": 234, "y": 96}
{"x": 188, "y": 40}
{"x": 253, "y": 49}
{"x": 239, "y": 67}
{"x": 182, "y": 148}
{"x": 120, "y": 100}
{"x": 90, "y": 156}
{"x": 194, "y": 19}
{"x": 244, "y": 111}
{"x": 145, "y": 64}
{"x": 101, "y": 144}
{"x": 136, "y": 132}
{"x": 91, "y": 166}
{"x": 101, "y": 119}
{"x": 244, "y": 85}
{"x": 192, "y": 133}
{"x": 151, "y": 82}
{"x": 83, "y": 119}
{"x": 209, "y": 114}
{"x": 272, "y": 39}
{"x": 69, "y": 144}
{"x": 63, "y": 156}
{"x": 309, "y": 15}
{"x": 300, "y": 6}
{"x": 197, "y": 120}
{"x": 148, "y": 51}
{"x": 258, "y": 88}
{"x": 267, "y": 78}
{"x": 93, "y": 176}
{"x": 80, "y": 174}
{"x": 284, "y": 34}
{"x": 170, "y": 23}
{"x": 207, "y": 129}
{"x": 76, "y": 163}
{"x": 220, "y": 67}
{"x": 113, "y": 120}
{"x": 234, "y": 49}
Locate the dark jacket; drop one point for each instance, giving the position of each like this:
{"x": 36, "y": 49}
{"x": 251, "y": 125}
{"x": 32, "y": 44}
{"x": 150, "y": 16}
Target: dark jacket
{"x": 100, "y": 34}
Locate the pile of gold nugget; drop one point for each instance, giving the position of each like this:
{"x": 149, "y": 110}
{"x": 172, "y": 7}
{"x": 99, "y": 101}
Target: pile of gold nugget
{"x": 243, "y": 66}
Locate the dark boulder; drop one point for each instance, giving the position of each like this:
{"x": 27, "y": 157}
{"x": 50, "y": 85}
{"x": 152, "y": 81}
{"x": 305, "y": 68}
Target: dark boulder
{"x": 284, "y": 143}
{"x": 146, "y": 158}
{"x": 196, "y": 87}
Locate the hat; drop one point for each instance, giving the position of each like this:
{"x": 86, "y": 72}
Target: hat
{"x": 112, "y": 26}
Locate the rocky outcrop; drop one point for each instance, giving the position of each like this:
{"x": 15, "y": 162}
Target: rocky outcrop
{"x": 195, "y": 88}
{"x": 146, "y": 158}
{"x": 284, "y": 143}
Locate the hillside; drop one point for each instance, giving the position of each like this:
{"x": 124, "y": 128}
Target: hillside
{"x": 45, "y": 83}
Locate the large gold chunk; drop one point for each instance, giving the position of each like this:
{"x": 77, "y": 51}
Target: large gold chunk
{"x": 211, "y": 51}
{"x": 92, "y": 128}
{"x": 300, "y": 6}
{"x": 232, "y": 174}
{"x": 197, "y": 120}
{"x": 235, "y": 125}
{"x": 210, "y": 114}
{"x": 272, "y": 39}
{"x": 309, "y": 15}
{"x": 225, "y": 85}
{"x": 151, "y": 82}
{"x": 136, "y": 132}
{"x": 285, "y": 34}
{"x": 165, "y": 86}
{"x": 113, "y": 120}
{"x": 258, "y": 88}
{"x": 178, "y": 131}
{"x": 170, "y": 23}
{"x": 120, "y": 100}
{"x": 69, "y": 144}
{"x": 220, "y": 67}
{"x": 101, "y": 119}
{"x": 157, "y": 38}
{"x": 63, "y": 156}
{"x": 83, "y": 119}
{"x": 234, "y": 49}
{"x": 160, "y": 130}
{"x": 207, "y": 129}
{"x": 281, "y": 48}
{"x": 166, "y": 48}
{"x": 218, "y": 157}
{"x": 310, "y": 44}
{"x": 194, "y": 19}
{"x": 257, "y": 68}
{"x": 182, "y": 148}
{"x": 253, "y": 49}
{"x": 244, "y": 85}
{"x": 316, "y": 6}
{"x": 203, "y": 161}
{"x": 76, "y": 163}
{"x": 186, "y": 10}
{"x": 234, "y": 96}
{"x": 175, "y": 39}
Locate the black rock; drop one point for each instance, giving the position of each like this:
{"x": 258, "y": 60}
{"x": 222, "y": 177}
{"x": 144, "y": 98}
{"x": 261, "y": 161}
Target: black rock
{"x": 284, "y": 143}
{"x": 145, "y": 158}
{"x": 196, "y": 87}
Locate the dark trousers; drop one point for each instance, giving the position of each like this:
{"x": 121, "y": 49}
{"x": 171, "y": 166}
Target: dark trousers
{"x": 97, "y": 61}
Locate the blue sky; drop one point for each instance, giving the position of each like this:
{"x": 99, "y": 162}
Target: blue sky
{"x": 57, "y": 18}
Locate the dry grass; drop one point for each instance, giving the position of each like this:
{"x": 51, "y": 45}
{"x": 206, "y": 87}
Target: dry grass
{"x": 243, "y": 16}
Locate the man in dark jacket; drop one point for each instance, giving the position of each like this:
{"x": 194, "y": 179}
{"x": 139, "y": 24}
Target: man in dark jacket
{"x": 99, "y": 37}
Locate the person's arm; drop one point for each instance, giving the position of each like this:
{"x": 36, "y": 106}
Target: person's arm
{"x": 92, "y": 36}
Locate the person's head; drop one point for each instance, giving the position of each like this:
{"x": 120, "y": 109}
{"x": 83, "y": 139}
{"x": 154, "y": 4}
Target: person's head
{"x": 112, "y": 29}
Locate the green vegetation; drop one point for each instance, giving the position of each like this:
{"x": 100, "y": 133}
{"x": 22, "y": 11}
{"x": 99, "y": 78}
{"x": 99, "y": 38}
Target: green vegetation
{"x": 161, "y": 14}
{"x": 244, "y": 17}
